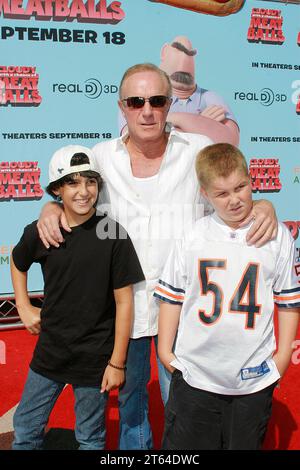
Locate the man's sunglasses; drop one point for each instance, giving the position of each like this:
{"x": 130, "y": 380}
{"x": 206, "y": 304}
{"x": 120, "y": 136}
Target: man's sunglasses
{"x": 157, "y": 101}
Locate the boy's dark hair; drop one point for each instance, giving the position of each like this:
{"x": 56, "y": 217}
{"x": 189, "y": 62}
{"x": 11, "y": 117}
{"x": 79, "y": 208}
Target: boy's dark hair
{"x": 77, "y": 159}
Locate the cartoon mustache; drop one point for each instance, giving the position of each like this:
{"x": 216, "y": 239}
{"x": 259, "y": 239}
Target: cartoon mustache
{"x": 182, "y": 77}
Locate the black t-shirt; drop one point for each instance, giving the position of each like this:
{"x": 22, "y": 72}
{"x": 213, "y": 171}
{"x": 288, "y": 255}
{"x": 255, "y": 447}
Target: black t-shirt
{"x": 78, "y": 313}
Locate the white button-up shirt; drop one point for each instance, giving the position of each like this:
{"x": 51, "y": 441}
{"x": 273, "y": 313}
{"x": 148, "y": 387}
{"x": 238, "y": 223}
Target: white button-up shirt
{"x": 176, "y": 204}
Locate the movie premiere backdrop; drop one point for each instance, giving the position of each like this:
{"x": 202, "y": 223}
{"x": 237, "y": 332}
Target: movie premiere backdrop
{"x": 61, "y": 62}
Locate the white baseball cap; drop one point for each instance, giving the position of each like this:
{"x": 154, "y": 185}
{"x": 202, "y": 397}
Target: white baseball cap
{"x": 59, "y": 165}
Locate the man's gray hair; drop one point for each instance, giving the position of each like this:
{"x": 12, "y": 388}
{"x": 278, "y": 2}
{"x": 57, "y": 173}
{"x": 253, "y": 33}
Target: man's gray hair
{"x": 146, "y": 67}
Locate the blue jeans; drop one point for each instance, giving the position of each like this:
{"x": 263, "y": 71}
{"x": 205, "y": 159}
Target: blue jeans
{"x": 38, "y": 399}
{"x": 135, "y": 431}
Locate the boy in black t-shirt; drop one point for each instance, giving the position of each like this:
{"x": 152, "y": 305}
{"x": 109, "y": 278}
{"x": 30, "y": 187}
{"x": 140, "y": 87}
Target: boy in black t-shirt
{"x": 84, "y": 324}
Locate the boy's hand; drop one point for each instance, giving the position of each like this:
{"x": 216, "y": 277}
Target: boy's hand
{"x": 31, "y": 317}
{"x": 265, "y": 223}
{"x": 282, "y": 362}
{"x": 112, "y": 379}
{"x": 52, "y": 216}
{"x": 165, "y": 359}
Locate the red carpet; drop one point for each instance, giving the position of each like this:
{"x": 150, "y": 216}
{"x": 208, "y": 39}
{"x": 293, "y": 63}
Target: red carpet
{"x": 284, "y": 428}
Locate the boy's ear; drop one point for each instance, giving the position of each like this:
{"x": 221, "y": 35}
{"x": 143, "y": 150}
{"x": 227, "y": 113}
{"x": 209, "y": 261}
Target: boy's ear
{"x": 203, "y": 192}
{"x": 56, "y": 192}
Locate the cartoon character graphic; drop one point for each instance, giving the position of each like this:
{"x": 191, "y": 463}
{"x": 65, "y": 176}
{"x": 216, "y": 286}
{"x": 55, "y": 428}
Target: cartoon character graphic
{"x": 195, "y": 109}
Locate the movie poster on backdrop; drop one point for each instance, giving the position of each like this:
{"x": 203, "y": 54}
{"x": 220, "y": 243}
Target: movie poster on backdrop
{"x": 231, "y": 62}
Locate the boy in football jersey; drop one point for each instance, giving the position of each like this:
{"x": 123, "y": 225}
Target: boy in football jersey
{"x": 217, "y": 294}
{"x": 86, "y": 317}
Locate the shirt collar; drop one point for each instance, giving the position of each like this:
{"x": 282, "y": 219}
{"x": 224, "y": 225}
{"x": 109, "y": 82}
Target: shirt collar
{"x": 169, "y": 128}
{"x": 175, "y": 99}
{"x": 226, "y": 227}
{"x": 177, "y": 135}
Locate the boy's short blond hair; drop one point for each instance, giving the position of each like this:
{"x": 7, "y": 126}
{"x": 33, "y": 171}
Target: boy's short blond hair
{"x": 219, "y": 160}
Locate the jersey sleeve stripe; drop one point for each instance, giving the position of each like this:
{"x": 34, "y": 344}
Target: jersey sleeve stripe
{"x": 175, "y": 289}
{"x": 287, "y": 291}
{"x": 165, "y": 299}
{"x": 169, "y": 294}
{"x": 292, "y": 305}
{"x": 286, "y": 297}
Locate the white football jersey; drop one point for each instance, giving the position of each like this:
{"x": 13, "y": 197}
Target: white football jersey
{"x": 227, "y": 289}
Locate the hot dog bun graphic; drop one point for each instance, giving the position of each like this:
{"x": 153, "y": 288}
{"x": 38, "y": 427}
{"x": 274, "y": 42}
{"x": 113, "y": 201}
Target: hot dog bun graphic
{"x": 210, "y": 7}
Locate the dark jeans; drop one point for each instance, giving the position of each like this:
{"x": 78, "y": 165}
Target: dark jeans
{"x": 196, "y": 419}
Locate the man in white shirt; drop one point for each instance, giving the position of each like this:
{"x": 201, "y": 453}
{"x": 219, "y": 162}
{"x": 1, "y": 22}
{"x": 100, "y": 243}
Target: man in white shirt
{"x": 149, "y": 178}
